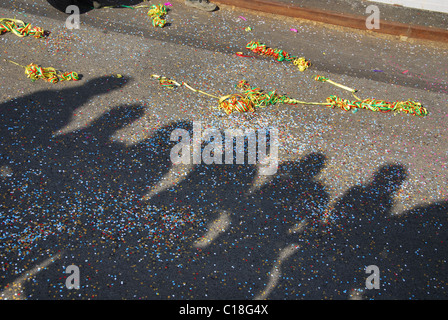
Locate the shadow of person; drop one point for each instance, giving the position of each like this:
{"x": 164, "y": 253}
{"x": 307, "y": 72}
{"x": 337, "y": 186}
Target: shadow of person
{"x": 290, "y": 204}
{"x": 32, "y": 119}
{"x": 76, "y": 190}
{"x": 51, "y": 176}
{"x": 372, "y": 201}
{"x": 244, "y": 234}
{"x": 155, "y": 225}
{"x": 413, "y": 258}
{"x": 328, "y": 261}
{"x": 407, "y": 248}
{"x": 295, "y": 193}
{"x": 28, "y": 124}
{"x": 215, "y": 190}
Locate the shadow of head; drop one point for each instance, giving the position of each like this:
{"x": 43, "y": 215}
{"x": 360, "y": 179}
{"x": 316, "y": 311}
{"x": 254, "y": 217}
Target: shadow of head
{"x": 157, "y": 148}
{"x": 105, "y": 84}
{"x": 312, "y": 164}
{"x": 81, "y": 91}
{"x": 40, "y": 113}
{"x": 117, "y": 118}
{"x": 165, "y": 136}
{"x": 390, "y": 177}
{"x": 309, "y": 166}
{"x": 74, "y": 97}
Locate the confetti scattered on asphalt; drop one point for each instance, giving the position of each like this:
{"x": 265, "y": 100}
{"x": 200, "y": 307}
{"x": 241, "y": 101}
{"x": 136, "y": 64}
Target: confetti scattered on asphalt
{"x": 78, "y": 162}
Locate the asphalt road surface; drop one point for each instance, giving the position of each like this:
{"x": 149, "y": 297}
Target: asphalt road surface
{"x": 87, "y": 177}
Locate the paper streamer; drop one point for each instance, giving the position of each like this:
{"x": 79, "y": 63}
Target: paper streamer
{"x": 157, "y": 14}
{"x": 251, "y": 98}
{"x": 50, "y": 74}
{"x": 20, "y": 28}
{"x": 377, "y": 105}
{"x": 278, "y": 54}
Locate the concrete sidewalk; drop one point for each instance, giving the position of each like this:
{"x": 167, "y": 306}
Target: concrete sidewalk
{"x": 394, "y": 20}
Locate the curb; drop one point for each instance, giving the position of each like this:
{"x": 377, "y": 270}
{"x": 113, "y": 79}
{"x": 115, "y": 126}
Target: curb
{"x": 339, "y": 19}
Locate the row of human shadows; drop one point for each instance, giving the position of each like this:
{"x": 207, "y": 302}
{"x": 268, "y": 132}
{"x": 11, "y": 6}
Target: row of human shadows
{"x": 242, "y": 257}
